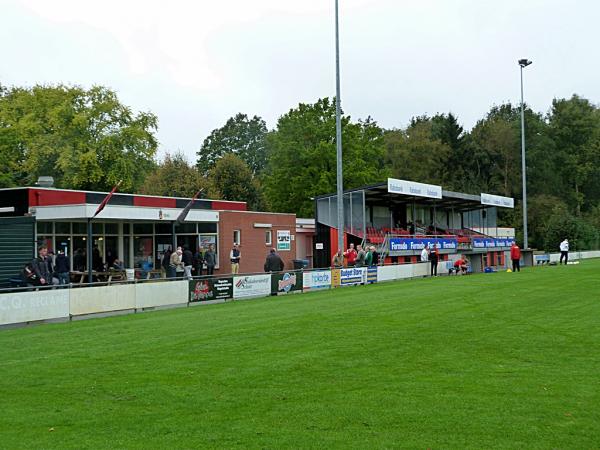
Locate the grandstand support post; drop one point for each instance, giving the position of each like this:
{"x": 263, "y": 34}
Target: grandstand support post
{"x": 338, "y": 136}
{"x": 89, "y": 249}
{"x": 523, "y": 63}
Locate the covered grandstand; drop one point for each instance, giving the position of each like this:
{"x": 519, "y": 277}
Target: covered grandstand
{"x": 400, "y": 217}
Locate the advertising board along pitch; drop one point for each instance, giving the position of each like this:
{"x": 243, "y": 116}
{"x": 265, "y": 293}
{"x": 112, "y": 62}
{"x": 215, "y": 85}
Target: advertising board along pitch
{"x": 405, "y": 246}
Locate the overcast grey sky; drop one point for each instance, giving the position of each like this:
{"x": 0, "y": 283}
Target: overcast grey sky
{"x": 197, "y": 63}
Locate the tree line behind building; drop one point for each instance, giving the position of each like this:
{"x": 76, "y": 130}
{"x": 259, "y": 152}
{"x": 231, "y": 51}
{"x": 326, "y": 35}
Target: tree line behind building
{"x": 87, "y": 139}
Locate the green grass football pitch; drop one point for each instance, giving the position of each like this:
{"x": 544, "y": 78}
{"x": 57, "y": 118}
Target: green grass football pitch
{"x": 485, "y": 361}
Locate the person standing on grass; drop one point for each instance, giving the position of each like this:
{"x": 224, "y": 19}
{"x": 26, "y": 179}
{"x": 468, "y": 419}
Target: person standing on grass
{"x": 564, "y": 251}
{"x": 425, "y": 253}
{"x": 350, "y": 255}
{"x": 369, "y": 256}
{"x": 187, "y": 259}
{"x": 360, "y": 256}
{"x": 515, "y": 257}
{"x": 375, "y": 254}
{"x": 175, "y": 264}
{"x": 41, "y": 267}
{"x": 434, "y": 257}
{"x": 273, "y": 263}
{"x": 234, "y": 257}
{"x": 210, "y": 259}
{"x": 62, "y": 268}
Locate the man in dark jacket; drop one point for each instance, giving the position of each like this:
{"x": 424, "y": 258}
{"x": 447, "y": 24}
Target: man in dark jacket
{"x": 188, "y": 260}
{"x": 62, "y": 267}
{"x": 199, "y": 262}
{"x": 210, "y": 259}
{"x": 273, "y": 262}
{"x": 41, "y": 267}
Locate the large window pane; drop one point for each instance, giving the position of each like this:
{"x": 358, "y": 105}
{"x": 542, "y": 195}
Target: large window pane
{"x": 44, "y": 227}
{"x": 62, "y": 228}
{"x": 142, "y": 252}
{"x": 79, "y": 228}
{"x": 79, "y": 249}
{"x": 207, "y": 228}
{"x": 64, "y": 243}
{"x": 111, "y": 228}
{"x": 142, "y": 228}
{"x": 163, "y": 228}
{"x": 186, "y": 228}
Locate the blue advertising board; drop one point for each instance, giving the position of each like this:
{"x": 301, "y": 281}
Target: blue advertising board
{"x": 412, "y": 245}
{"x": 487, "y": 243}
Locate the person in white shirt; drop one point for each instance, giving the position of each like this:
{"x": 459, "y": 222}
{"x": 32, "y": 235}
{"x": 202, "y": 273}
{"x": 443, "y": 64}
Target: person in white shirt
{"x": 564, "y": 251}
{"x": 425, "y": 253}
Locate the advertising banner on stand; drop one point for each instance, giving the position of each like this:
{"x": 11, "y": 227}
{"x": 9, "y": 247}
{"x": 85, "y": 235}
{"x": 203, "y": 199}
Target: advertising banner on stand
{"x": 372, "y": 274}
{"x": 284, "y": 282}
{"x": 353, "y": 275}
{"x": 335, "y": 277}
{"x": 404, "y": 246}
{"x": 251, "y": 286}
{"x": 211, "y": 289}
{"x": 490, "y": 243}
{"x": 317, "y": 279}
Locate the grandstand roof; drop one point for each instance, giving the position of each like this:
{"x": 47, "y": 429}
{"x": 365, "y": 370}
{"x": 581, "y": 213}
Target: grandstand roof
{"x": 377, "y": 194}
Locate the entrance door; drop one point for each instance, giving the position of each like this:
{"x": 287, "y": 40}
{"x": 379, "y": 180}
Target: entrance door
{"x": 189, "y": 241}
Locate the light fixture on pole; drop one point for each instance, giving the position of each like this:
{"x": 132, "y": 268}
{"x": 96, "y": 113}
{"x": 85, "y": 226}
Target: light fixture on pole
{"x": 523, "y": 63}
{"x": 338, "y": 136}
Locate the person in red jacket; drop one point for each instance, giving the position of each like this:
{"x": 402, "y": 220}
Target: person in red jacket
{"x": 350, "y": 255}
{"x": 515, "y": 256}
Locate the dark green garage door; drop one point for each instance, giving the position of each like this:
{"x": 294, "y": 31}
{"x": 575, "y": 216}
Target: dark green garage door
{"x": 16, "y": 245}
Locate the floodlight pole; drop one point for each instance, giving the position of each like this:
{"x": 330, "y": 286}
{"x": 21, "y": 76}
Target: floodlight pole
{"x": 338, "y": 136}
{"x": 523, "y": 63}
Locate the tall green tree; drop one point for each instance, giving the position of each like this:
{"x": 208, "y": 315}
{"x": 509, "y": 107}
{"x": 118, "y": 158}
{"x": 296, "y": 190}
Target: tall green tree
{"x": 240, "y": 135}
{"x": 575, "y": 130}
{"x": 174, "y": 176}
{"x": 302, "y": 156}
{"x": 232, "y": 179}
{"x": 85, "y": 139}
{"x": 415, "y": 154}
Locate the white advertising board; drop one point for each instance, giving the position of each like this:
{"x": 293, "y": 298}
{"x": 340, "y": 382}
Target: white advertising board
{"x": 497, "y": 200}
{"x": 251, "y": 286}
{"x": 284, "y": 240}
{"x": 386, "y": 273}
{"x": 318, "y": 279}
{"x": 91, "y": 300}
{"x": 22, "y": 307}
{"x": 151, "y": 294}
{"x": 353, "y": 275}
{"x": 413, "y": 188}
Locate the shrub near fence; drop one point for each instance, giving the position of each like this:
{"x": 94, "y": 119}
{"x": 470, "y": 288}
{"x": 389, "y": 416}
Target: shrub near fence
{"x": 63, "y": 304}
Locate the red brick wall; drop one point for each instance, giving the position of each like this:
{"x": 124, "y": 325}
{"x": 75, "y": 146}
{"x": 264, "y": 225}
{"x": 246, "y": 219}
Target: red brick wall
{"x": 252, "y": 247}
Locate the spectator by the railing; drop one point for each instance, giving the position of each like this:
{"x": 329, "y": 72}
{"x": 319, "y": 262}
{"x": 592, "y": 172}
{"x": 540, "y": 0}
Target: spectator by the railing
{"x": 235, "y": 256}
{"x": 97, "y": 263}
{"x": 165, "y": 262}
{"x": 350, "y": 255}
{"x": 273, "y": 263}
{"x": 338, "y": 260}
{"x": 360, "y": 256}
{"x": 434, "y": 257}
{"x": 199, "y": 261}
{"x": 369, "y": 257}
{"x": 79, "y": 260}
{"x": 62, "y": 268}
{"x": 210, "y": 259}
{"x": 117, "y": 265}
{"x": 564, "y": 251}
{"x": 425, "y": 253}
{"x": 515, "y": 256}
{"x": 175, "y": 264}
{"x": 41, "y": 267}
{"x": 375, "y": 255}
{"x": 187, "y": 258}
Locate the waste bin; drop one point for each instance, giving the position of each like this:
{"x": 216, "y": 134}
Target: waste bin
{"x": 300, "y": 264}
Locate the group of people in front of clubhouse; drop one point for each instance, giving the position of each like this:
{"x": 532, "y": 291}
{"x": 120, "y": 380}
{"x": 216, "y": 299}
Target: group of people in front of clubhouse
{"x": 182, "y": 263}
